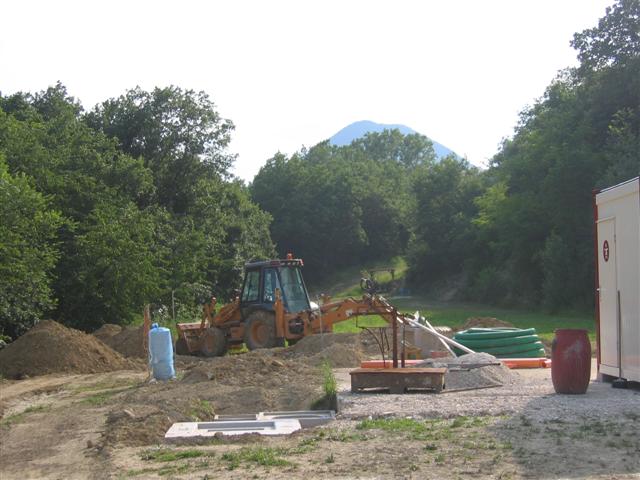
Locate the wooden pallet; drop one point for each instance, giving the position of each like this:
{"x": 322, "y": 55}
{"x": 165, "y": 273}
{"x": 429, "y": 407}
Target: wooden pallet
{"x": 397, "y": 380}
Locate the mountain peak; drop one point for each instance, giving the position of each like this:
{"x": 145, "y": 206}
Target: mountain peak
{"x": 359, "y": 129}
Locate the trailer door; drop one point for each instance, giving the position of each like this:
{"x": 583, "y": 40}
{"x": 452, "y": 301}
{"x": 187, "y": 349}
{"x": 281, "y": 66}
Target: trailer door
{"x": 608, "y": 291}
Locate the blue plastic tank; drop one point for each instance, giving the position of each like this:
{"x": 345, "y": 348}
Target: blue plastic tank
{"x": 161, "y": 353}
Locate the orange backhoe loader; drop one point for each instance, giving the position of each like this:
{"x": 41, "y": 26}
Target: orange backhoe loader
{"x": 273, "y": 306}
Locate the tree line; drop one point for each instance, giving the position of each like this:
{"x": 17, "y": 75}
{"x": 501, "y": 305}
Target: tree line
{"x": 519, "y": 232}
{"x": 133, "y": 201}
{"x": 129, "y": 203}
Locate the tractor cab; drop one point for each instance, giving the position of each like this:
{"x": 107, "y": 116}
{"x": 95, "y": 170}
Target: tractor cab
{"x": 263, "y": 278}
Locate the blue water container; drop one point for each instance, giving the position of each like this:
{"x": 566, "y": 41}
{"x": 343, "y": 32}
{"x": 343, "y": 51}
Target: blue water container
{"x": 161, "y": 353}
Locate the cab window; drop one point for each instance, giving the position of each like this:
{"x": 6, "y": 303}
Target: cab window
{"x": 270, "y": 285}
{"x": 251, "y": 290}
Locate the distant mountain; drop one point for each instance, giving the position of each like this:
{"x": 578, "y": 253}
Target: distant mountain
{"x": 358, "y": 129}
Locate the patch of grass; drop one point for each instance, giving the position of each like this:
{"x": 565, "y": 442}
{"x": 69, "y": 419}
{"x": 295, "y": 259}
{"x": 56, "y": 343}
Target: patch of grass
{"x": 330, "y": 458}
{"x": 201, "y": 410}
{"x": 19, "y": 417}
{"x": 346, "y": 282}
{"x": 456, "y": 314}
{"x": 138, "y": 472}
{"x": 407, "y": 425}
{"x": 167, "y": 455}
{"x": 329, "y": 401}
{"x": 99, "y": 399}
{"x": 305, "y": 446}
{"x": 329, "y": 383}
{"x": 331, "y": 435}
{"x": 264, "y": 456}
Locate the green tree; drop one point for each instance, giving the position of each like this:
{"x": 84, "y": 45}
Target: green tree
{"x": 177, "y": 133}
{"x": 614, "y": 42}
{"x": 148, "y": 213}
{"x": 442, "y": 219}
{"x": 115, "y": 268}
{"x": 28, "y": 252}
{"x": 582, "y": 134}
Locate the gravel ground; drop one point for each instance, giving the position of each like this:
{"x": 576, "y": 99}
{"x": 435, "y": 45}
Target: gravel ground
{"x": 530, "y": 394}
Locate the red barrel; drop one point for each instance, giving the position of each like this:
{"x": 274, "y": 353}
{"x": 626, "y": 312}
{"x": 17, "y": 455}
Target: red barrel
{"x": 571, "y": 361}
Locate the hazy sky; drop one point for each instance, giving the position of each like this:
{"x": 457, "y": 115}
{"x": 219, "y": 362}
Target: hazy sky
{"x": 292, "y": 73}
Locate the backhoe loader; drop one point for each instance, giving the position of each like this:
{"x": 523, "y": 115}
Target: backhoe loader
{"x": 273, "y": 306}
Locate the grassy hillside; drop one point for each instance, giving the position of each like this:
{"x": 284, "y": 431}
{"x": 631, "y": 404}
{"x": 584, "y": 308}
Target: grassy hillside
{"x": 346, "y": 284}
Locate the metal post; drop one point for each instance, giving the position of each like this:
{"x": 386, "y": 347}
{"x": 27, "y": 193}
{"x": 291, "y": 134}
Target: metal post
{"x": 404, "y": 343}
{"x": 173, "y": 305}
{"x": 394, "y": 327}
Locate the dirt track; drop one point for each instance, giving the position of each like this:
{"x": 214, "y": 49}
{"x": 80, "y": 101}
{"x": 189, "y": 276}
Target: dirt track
{"x": 111, "y": 424}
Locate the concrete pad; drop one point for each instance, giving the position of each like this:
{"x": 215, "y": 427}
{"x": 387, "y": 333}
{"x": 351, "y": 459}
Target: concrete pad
{"x": 210, "y": 429}
{"x": 236, "y": 418}
{"x": 307, "y": 418}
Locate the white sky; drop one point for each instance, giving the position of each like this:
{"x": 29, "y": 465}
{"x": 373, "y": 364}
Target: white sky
{"x": 292, "y": 73}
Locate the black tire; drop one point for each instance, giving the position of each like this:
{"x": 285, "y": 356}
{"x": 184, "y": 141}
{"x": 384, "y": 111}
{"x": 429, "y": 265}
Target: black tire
{"x": 181, "y": 347}
{"x": 260, "y": 330}
{"x": 213, "y": 342}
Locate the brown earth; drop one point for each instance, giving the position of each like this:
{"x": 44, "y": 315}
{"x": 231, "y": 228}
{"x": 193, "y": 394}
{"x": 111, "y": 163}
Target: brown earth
{"x": 339, "y": 349}
{"x": 485, "y": 322}
{"x": 110, "y": 426}
{"x": 50, "y": 347}
{"x": 107, "y": 331}
{"x": 127, "y": 342}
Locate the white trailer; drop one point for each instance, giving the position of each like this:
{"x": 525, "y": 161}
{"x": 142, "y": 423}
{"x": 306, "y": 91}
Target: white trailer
{"x": 617, "y": 250}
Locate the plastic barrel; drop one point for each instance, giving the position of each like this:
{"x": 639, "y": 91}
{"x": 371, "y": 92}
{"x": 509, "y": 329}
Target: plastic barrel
{"x": 161, "y": 353}
{"x": 571, "y": 361}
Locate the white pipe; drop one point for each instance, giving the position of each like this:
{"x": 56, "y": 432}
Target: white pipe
{"x": 446, "y": 345}
{"x": 413, "y": 323}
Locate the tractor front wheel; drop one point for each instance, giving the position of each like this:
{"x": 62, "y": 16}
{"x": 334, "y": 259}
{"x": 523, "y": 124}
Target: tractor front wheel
{"x": 260, "y": 330}
{"x": 213, "y": 342}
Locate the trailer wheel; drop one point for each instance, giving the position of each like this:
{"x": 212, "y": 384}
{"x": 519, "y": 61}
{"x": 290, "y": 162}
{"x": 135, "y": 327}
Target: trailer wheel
{"x": 213, "y": 342}
{"x": 181, "y": 347}
{"x": 260, "y": 330}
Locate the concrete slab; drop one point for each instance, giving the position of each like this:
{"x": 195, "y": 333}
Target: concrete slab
{"x": 307, "y": 418}
{"x": 236, "y": 418}
{"x": 241, "y": 427}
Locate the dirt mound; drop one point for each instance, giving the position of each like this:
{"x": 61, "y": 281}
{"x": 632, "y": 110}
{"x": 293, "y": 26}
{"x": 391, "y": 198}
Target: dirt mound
{"x": 128, "y": 342}
{"x": 338, "y": 356}
{"x": 107, "y": 331}
{"x": 261, "y": 380}
{"x": 340, "y": 349}
{"x": 485, "y": 322}
{"x": 316, "y": 343}
{"x": 53, "y": 348}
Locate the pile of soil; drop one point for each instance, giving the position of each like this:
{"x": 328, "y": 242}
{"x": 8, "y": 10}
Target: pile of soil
{"x": 107, "y": 331}
{"x": 261, "y": 380}
{"x": 341, "y": 350}
{"x": 50, "y": 347}
{"x": 128, "y": 342}
{"x": 485, "y": 322}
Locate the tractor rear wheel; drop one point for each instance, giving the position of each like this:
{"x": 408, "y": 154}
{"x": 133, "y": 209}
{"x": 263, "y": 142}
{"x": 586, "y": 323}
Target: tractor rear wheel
{"x": 260, "y": 330}
{"x": 181, "y": 347}
{"x": 213, "y": 342}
